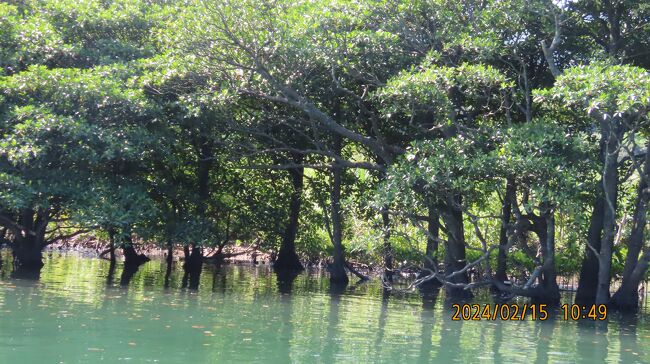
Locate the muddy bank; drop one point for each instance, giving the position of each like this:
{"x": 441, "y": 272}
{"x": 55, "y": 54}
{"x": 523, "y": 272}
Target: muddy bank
{"x": 89, "y": 246}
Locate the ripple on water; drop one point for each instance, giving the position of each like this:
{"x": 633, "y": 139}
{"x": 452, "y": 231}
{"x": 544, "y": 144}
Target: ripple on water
{"x": 75, "y": 314}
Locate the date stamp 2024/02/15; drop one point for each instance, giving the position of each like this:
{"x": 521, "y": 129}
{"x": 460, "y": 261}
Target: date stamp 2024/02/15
{"x": 515, "y": 312}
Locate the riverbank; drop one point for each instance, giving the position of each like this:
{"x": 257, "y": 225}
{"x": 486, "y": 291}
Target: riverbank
{"x": 89, "y": 246}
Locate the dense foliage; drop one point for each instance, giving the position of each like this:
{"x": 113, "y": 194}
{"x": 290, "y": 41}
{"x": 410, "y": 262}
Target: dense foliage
{"x": 499, "y": 143}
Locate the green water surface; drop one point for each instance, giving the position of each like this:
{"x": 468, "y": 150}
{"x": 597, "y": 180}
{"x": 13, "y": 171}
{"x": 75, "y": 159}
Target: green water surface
{"x": 240, "y": 314}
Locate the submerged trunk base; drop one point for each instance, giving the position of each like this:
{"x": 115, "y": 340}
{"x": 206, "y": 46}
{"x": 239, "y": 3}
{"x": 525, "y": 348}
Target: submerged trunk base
{"x": 28, "y": 259}
{"x": 132, "y": 262}
{"x": 287, "y": 261}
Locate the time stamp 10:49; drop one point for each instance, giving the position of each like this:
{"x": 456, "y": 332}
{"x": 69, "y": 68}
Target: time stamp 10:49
{"x": 514, "y": 312}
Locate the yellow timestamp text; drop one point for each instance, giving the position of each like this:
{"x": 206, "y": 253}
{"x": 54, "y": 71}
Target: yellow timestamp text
{"x": 505, "y": 312}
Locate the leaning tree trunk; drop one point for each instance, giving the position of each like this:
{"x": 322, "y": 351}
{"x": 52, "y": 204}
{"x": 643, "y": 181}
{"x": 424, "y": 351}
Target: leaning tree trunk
{"x": 337, "y": 269}
{"x": 506, "y": 211}
{"x": 455, "y": 259}
{"x": 288, "y": 259}
{"x": 610, "y": 190}
{"x": 627, "y": 297}
{"x": 588, "y": 282}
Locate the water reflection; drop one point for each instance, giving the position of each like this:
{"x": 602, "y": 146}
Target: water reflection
{"x": 28, "y": 274}
{"x": 127, "y": 274}
{"x": 591, "y": 349}
{"x": 429, "y": 298}
{"x": 381, "y": 327}
{"x": 543, "y": 332}
{"x": 332, "y": 334}
{"x": 111, "y": 273}
{"x": 449, "y": 347}
{"x": 218, "y": 280}
{"x": 250, "y": 314}
{"x": 285, "y": 281}
{"x": 628, "y": 338}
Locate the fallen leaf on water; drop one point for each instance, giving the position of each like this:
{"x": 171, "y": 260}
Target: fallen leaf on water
{"x": 198, "y": 327}
{"x": 95, "y": 349}
{"x": 132, "y": 344}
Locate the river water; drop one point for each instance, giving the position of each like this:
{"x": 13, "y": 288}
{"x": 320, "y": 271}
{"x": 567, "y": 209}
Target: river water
{"x": 74, "y": 314}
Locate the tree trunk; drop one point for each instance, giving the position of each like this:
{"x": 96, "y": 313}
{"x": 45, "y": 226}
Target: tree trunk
{"x": 111, "y": 273}
{"x": 203, "y": 175}
{"x": 549, "y": 292}
{"x": 506, "y": 211}
{"x": 433, "y": 237}
{"x": 111, "y": 247}
{"x": 170, "y": 261}
{"x": 588, "y": 283}
{"x": 186, "y": 258}
{"x": 337, "y": 268}
{"x": 28, "y": 246}
{"x": 627, "y": 297}
{"x": 455, "y": 260}
{"x": 288, "y": 259}
{"x": 430, "y": 264}
{"x": 132, "y": 261}
{"x": 193, "y": 266}
{"x": 27, "y": 253}
{"x": 131, "y": 257}
{"x": 387, "y": 249}
{"x": 610, "y": 190}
